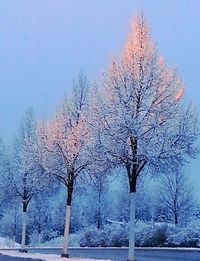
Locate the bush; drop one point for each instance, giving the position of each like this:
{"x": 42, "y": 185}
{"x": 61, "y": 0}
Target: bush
{"x": 92, "y": 237}
{"x": 36, "y": 239}
{"x": 111, "y": 235}
{"x": 185, "y": 237}
{"x": 116, "y": 235}
{"x": 55, "y": 242}
{"x": 157, "y": 236}
{"x": 143, "y": 230}
{"x": 74, "y": 240}
{"x": 166, "y": 234}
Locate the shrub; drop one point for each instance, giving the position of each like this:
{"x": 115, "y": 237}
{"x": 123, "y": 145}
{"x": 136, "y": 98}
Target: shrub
{"x": 36, "y": 239}
{"x": 92, "y": 237}
{"x": 74, "y": 240}
{"x": 111, "y": 235}
{"x": 116, "y": 235}
{"x": 143, "y": 230}
{"x": 185, "y": 237}
{"x": 157, "y": 236}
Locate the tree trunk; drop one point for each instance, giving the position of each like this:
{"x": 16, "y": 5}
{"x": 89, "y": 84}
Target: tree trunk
{"x": 99, "y": 220}
{"x": 66, "y": 232}
{"x": 99, "y": 209}
{"x": 67, "y": 222}
{"x": 175, "y": 218}
{"x": 131, "y": 252}
{"x": 132, "y": 174}
{"x": 23, "y": 241}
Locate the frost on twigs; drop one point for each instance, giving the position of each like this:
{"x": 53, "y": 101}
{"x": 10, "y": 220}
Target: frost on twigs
{"x": 144, "y": 122}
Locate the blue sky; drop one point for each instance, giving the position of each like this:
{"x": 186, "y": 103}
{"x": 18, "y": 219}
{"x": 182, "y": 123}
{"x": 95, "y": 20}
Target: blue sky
{"x": 44, "y": 44}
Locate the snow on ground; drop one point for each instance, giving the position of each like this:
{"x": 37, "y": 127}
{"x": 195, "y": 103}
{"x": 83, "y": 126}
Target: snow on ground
{"x": 8, "y": 243}
{"x": 46, "y": 257}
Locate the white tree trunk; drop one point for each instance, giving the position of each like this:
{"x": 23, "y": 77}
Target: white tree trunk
{"x": 66, "y": 232}
{"x": 131, "y": 252}
{"x": 23, "y": 230}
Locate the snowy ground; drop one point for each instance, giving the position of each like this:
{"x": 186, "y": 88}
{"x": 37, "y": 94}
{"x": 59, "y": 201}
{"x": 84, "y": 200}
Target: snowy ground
{"x": 46, "y": 257}
{"x": 8, "y": 243}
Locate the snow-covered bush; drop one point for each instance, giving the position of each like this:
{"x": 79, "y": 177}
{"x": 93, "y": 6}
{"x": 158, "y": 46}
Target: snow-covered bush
{"x": 74, "y": 240}
{"x": 111, "y": 235}
{"x": 92, "y": 237}
{"x": 156, "y": 237}
{"x": 55, "y": 242}
{"x": 167, "y": 234}
{"x": 142, "y": 230}
{"x": 36, "y": 239}
{"x": 116, "y": 235}
{"x": 45, "y": 238}
{"x": 153, "y": 234}
{"x": 49, "y": 234}
{"x": 184, "y": 237}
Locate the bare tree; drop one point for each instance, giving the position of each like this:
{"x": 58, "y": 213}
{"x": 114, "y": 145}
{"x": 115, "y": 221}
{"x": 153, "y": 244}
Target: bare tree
{"x": 99, "y": 189}
{"x": 65, "y": 142}
{"x": 176, "y": 195}
{"x": 25, "y": 172}
{"x": 144, "y": 121}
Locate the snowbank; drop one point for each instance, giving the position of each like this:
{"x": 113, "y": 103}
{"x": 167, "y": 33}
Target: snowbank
{"x": 46, "y": 257}
{"x": 8, "y": 243}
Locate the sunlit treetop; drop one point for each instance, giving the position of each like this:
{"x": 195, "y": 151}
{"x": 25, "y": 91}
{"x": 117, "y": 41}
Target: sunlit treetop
{"x": 144, "y": 112}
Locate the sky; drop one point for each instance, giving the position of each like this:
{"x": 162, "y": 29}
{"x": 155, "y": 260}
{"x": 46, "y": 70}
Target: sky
{"x": 44, "y": 45}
